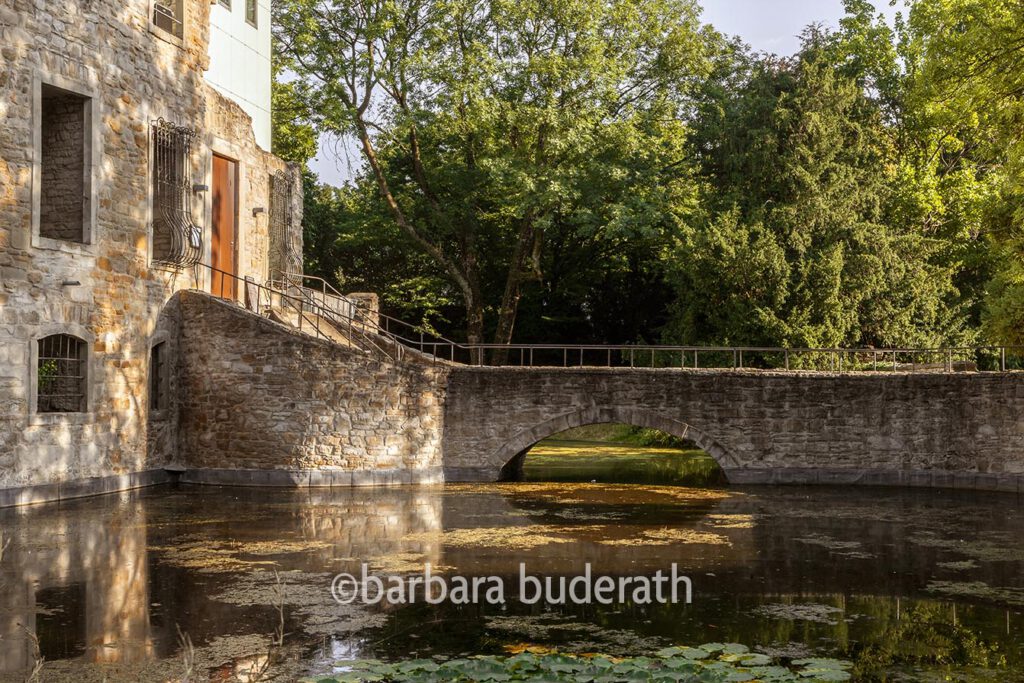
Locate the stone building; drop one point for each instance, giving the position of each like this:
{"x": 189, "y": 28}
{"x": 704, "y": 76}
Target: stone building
{"x": 125, "y": 174}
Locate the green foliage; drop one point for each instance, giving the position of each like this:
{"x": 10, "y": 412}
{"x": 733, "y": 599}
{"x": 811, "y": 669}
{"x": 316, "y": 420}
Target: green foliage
{"x": 925, "y": 635}
{"x": 615, "y": 172}
{"x": 494, "y": 131}
{"x": 710, "y": 662}
{"x": 967, "y": 90}
{"x": 293, "y": 135}
{"x": 796, "y": 243}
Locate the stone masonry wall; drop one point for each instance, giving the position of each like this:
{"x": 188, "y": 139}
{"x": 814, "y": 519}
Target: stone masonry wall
{"x": 258, "y": 397}
{"x": 961, "y": 430}
{"x": 63, "y": 168}
{"x": 106, "y": 291}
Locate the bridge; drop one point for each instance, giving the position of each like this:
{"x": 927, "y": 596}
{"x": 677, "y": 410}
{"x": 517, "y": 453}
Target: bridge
{"x": 762, "y": 427}
{"x": 361, "y": 398}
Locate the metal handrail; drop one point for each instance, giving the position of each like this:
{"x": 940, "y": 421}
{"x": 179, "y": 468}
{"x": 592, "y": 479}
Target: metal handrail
{"x": 350, "y": 327}
{"x": 369, "y": 329}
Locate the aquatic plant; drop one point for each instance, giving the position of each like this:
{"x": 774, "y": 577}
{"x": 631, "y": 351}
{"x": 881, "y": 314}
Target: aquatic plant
{"x": 711, "y": 662}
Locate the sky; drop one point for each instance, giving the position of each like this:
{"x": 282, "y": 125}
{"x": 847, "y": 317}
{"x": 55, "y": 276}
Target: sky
{"x": 766, "y": 25}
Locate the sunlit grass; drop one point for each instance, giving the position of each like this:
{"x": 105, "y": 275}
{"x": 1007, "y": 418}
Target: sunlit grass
{"x": 558, "y": 460}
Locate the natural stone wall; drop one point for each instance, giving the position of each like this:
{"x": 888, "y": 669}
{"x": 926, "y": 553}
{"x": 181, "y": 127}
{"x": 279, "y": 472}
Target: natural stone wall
{"x": 256, "y": 395}
{"x": 106, "y": 291}
{"x": 63, "y": 168}
{"x": 961, "y": 430}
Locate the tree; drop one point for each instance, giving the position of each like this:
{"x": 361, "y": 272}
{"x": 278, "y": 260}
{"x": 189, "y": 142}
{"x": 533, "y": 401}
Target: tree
{"x": 484, "y": 124}
{"x": 794, "y": 245}
{"x": 967, "y": 59}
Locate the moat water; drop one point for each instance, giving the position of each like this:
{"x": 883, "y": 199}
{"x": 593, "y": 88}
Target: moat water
{"x": 910, "y": 585}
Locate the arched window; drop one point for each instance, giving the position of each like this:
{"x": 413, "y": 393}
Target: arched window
{"x": 61, "y": 372}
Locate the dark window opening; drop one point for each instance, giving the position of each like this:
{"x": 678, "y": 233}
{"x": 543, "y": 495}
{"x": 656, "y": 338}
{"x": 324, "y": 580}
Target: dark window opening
{"x": 250, "y": 11}
{"x": 61, "y": 372}
{"x": 169, "y": 15}
{"x": 63, "y": 193}
{"x": 158, "y": 377}
{"x": 177, "y": 240}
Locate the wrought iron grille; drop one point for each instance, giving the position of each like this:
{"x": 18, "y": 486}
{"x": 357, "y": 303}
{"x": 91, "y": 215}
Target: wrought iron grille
{"x": 177, "y": 240}
{"x": 61, "y": 374}
{"x": 280, "y": 219}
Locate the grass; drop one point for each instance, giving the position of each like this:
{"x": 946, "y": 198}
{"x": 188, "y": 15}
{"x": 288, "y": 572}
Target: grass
{"x": 605, "y": 461}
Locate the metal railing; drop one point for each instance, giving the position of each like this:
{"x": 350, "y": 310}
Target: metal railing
{"x": 379, "y": 333}
{"x": 309, "y": 316}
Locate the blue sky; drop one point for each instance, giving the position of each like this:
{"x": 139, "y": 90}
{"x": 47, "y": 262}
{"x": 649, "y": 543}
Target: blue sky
{"x": 766, "y": 25}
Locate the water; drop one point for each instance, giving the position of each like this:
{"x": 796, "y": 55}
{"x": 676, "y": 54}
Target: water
{"x": 912, "y": 585}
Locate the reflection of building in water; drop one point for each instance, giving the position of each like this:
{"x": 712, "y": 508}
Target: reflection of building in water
{"x": 361, "y": 525}
{"x": 105, "y": 581}
{"x": 83, "y": 591}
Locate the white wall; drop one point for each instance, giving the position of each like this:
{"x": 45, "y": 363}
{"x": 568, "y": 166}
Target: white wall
{"x": 240, "y": 61}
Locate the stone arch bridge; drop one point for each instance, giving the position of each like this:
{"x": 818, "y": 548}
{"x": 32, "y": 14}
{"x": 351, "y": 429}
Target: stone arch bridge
{"x": 960, "y": 430}
{"x": 264, "y": 405}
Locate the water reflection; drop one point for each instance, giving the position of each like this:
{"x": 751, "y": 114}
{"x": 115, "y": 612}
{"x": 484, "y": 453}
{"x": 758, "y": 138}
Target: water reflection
{"x": 77, "y": 586}
{"x": 900, "y": 581}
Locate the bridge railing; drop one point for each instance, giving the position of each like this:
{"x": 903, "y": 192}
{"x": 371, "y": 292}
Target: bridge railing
{"x": 382, "y": 333}
{"x": 959, "y": 359}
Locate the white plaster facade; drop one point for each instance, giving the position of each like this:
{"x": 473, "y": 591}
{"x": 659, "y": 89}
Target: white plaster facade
{"x": 240, "y": 60}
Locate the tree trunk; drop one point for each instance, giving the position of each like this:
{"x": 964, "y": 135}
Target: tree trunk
{"x": 527, "y": 247}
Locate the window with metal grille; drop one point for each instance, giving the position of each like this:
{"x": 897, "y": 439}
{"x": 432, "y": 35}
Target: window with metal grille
{"x": 279, "y": 219}
{"x": 61, "y": 369}
{"x": 158, "y": 377}
{"x": 169, "y": 15}
{"x": 177, "y": 240}
{"x": 250, "y": 11}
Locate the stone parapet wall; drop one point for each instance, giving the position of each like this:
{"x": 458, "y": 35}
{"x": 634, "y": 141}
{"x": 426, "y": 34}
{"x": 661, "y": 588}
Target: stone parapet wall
{"x": 960, "y": 430}
{"x": 257, "y": 395}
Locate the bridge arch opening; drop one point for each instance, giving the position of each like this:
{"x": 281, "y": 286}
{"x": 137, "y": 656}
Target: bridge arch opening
{"x": 689, "y": 455}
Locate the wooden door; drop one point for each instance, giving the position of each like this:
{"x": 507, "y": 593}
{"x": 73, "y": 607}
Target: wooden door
{"x": 225, "y": 222}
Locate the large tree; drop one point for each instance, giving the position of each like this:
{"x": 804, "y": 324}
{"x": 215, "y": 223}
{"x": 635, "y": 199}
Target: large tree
{"x": 795, "y": 242}
{"x": 966, "y": 70}
{"x": 489, "y": 125}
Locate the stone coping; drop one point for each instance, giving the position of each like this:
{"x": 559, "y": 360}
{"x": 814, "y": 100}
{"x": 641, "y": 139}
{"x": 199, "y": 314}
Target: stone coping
{"x": 81, "y": 488}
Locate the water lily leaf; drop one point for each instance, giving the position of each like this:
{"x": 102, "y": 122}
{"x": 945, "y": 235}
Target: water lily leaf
{"x": 712, "y": 648}
{"x": 740, "y": 676}
{"x": 735, "y": 649}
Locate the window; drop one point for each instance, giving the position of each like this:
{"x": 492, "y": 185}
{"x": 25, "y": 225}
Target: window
{"x": 250, "y": 11}
{"x": 61, "y": 369}
{"x": 177, "y": 241}
{"x": 169, "y": 16}
{"x": 158, "y": 377}
{"x": 225, "y": 3}
{"x": 64, "y": 170}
